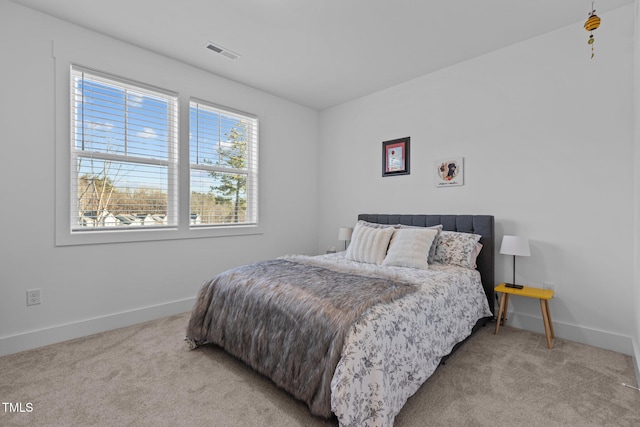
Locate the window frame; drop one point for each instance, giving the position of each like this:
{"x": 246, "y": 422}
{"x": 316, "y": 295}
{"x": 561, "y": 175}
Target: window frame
{"x": 67, "y": 53}
{"x": 171, "y": 162}
{"x": 252, "y": 160}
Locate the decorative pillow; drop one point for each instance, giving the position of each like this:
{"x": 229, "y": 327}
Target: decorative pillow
{"x": 474, "y": 255}
{"x": 456, "y": 248}
{"x": 369, "y": 244}
{"x": 432, "y": 249}
{"x": 409, "y": 247}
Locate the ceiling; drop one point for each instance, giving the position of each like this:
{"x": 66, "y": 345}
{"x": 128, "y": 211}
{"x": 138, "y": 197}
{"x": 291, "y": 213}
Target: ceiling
{"x": 321, "y": 53}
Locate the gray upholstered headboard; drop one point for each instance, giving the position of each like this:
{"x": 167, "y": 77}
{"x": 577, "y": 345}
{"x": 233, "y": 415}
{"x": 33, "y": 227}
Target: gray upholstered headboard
{"x": 484, "y": 225}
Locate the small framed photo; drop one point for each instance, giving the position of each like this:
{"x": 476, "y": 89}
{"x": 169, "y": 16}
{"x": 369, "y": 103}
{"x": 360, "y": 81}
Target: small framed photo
{"x": 449, "y": 172}
{"x": 395, "y": 157}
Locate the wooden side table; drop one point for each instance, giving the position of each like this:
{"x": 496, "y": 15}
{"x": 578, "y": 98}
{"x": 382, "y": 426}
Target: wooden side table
{"x": 544, "y": 295}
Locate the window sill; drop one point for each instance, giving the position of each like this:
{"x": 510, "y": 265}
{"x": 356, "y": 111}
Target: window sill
{"x": 66, "y": 238}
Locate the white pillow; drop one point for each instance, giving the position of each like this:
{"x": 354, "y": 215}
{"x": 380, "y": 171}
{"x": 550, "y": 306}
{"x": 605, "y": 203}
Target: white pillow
{"x": 369, "y": 244}
{"x": 432, "y": 249}
{"x": 376, "y": 225}
{"x": 409, "y": 247}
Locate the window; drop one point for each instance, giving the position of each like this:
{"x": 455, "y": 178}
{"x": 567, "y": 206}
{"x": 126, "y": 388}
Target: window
{"x": 124, "y": 154}
{"x": 223, "y": 157}
{"x": 133, "y": 167}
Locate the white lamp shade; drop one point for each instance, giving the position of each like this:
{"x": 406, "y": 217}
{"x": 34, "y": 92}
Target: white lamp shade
{"x": 515, "y": 245}
{"x": 345, "y": 233}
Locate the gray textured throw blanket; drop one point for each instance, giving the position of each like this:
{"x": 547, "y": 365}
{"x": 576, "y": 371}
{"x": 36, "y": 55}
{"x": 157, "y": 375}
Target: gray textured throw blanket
{"x": 287, "y": 320}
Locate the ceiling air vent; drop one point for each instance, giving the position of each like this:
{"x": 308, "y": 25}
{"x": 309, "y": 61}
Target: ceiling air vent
{"x": 222, "y": 51}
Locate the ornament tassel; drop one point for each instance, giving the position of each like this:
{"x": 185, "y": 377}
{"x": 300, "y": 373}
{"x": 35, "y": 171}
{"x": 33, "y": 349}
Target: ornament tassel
{"x": 593, "y": 22}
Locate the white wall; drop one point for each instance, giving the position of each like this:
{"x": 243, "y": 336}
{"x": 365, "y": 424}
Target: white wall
{"x": 636, "y": 340}
{"x": 90, "y": 288}
{"x": 547, "y": 138}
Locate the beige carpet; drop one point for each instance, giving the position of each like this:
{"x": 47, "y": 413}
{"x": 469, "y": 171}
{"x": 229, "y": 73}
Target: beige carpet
{"x": 144, "y": 375}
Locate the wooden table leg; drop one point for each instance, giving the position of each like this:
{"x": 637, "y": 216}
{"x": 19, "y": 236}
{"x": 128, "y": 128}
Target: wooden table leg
{"x": 506, "y": 308}
{"x": 546, "y": 306}
{"x": 502, "y": 299}
{"x": 545, "y": 318}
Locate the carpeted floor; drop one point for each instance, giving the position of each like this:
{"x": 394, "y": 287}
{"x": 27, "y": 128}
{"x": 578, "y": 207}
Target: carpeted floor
{"x": 144, "y": 375}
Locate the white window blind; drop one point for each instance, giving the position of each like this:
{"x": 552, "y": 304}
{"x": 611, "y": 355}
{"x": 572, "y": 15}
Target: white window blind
{"x": 223, "y": 158}
{"x": 124, "y": 154}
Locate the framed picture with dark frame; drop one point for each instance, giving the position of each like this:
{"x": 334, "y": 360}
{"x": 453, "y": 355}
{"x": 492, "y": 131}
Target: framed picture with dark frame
{"x": 395, "y": 157}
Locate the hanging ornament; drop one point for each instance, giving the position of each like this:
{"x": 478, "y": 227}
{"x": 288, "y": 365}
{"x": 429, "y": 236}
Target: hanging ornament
{"x": 592, "y": 23}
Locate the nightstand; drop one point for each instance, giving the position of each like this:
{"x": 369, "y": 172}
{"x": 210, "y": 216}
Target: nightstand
{"x": 544, "y": 295}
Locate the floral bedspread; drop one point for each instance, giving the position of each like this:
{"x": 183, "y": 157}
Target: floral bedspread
{"x": 393, "y": 348}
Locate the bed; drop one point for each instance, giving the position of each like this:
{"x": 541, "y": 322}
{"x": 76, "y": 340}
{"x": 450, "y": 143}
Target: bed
{"x": 356, "y": 333}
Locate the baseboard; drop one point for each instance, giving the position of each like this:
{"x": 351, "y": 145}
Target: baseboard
{"x": 607, "y": 340}
{"x": 38, "y": 338}
{"x": 636, "y": 360}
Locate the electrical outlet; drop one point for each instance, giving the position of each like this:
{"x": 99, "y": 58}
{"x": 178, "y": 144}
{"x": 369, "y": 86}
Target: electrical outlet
{"x": 549, "y": 285}
{"x": 33, "y": 297}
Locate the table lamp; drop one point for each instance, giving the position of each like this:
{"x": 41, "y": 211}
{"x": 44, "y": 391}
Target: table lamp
{"x": 516, "y": 246}
{"x": 344, "y": 234}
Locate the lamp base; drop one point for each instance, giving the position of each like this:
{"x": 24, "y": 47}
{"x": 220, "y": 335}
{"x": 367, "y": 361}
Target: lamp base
{"x": 513, "y": 285}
